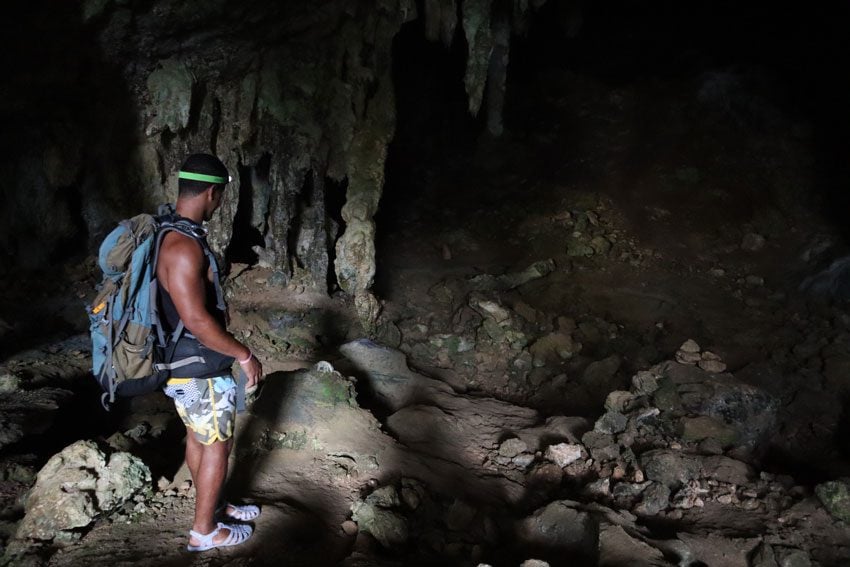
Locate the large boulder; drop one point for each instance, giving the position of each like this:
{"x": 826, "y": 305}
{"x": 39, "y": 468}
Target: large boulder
{"x": 378, "y": 515}
{"x": 77, "y": 485}
{"x": 558, "y": 530}
{"x": 722, "y": 407}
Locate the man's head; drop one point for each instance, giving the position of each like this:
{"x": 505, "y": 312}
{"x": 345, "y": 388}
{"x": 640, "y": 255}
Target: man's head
{"x": 203, "y": 177}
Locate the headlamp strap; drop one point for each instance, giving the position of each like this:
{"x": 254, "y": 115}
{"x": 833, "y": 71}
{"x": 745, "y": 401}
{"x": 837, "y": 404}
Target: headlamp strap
{"x": 202, "y": 177}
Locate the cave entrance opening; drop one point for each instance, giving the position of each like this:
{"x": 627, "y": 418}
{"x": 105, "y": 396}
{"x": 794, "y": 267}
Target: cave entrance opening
{"x": 335, "y": 193}
{"x": 254, "y": 186}
{"x": 433, "y": 128}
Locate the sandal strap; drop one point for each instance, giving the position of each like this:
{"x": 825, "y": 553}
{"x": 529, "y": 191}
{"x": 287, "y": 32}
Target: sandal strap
{"x": 241, "y": 512}
{"x": 237, "y": 535}
{"x": 206, "y": 539}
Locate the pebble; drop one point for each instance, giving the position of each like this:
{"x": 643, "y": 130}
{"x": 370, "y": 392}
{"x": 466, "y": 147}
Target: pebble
{"x": 712, "y": 366}
{"x": 690, "y": 346}
{"x": 349, "y": 528}
{"x": 685, "y": 357}
{"x": 186, "y": 486}
{"x": 601, "y": 487}
{"x": 563, "y": 454}
{"x": 512, "y": 447}
{"x": 523, "y": 460}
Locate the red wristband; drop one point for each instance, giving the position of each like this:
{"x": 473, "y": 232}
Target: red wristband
{"x": 248, "y": 359}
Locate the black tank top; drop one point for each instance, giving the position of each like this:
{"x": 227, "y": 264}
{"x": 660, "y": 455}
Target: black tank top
{"x": 216, "y": 363}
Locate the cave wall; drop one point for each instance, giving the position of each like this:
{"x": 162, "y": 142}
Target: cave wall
{"x": 290, "y": 95}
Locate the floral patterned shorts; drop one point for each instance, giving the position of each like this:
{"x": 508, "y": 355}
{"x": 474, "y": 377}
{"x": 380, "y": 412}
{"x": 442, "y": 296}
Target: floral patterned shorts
{"x": 206, "y": 405}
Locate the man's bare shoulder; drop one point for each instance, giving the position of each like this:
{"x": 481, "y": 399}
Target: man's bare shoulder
{"x": 179, "y": 248}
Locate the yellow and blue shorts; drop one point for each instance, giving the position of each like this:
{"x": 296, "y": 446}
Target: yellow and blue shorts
{"x": 207, "y": 406}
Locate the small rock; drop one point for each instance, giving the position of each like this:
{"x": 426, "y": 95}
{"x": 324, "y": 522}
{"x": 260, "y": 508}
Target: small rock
{"x": 618, "y": 400}
{"x": 9, "y": 383}
{"x": 708, "y": 355}
{"x": 563, "y": 454}
{"x": 387, "y": 526}
{"x": 349, "y": 528}
{"x": 510, "y": 448}
{"x": 684, "y": 357}
{"x": 656, "y": 497}
{"x": 646, "y": 414}
{"x": 601, "y": 487}
{"x": 690, "y": 346}
{"x": 611, "y": 422}
{"x": 600, "y": 245}
{"x": 638, "y": 476}
{"x": 645, "y": 383}
{"x": 523, "y": 460}
{"x": 561, "y": 530}
{"x": 186, "y": 486}
{"x": 713, "y": 366}
{"x": 711, "y": 447}
{"x": 533, "y": 563}
{"x": 384, "y": 497}
{"x": 626, "y": 494}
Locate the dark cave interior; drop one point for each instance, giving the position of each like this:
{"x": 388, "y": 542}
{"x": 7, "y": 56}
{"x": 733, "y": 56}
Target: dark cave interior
{"x": 646, "y": 174}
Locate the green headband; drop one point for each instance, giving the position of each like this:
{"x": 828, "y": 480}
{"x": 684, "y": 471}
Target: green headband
{"x": 201, "y": 177}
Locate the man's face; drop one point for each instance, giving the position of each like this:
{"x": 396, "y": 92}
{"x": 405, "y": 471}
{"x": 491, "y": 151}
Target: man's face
{"x": 216, "y": 192}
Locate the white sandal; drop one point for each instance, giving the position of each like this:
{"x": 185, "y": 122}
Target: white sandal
{"x": 238, "y": 534}
{"x": 241, "y": 513}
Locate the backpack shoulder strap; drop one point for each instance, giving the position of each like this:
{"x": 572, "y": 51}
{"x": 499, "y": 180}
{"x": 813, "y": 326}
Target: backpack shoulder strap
{"x": 199, "y": 234}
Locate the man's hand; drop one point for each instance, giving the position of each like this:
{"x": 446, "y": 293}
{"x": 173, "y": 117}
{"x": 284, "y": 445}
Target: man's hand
{"x": 253, "y": 371}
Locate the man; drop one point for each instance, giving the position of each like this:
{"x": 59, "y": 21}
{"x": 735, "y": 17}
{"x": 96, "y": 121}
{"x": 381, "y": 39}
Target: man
{"x": 204, "y": 392}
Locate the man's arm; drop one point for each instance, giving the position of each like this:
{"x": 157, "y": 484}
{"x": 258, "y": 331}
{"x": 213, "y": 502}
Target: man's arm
{"x": 184, "y": 277}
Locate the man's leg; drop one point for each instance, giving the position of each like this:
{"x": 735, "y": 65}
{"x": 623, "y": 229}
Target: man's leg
{"x": 210, "y": 462}
{"x": 209, "y": 419}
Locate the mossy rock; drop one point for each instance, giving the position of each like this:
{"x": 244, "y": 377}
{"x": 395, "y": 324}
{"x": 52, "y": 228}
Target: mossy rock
{"x": 332, "y": 391}
{"x": 835, "y": 496}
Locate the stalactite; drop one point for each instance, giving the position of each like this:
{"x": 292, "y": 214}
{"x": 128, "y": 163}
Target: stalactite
{"x": 497, "y": 76}
{"x": 479, "y": 38}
